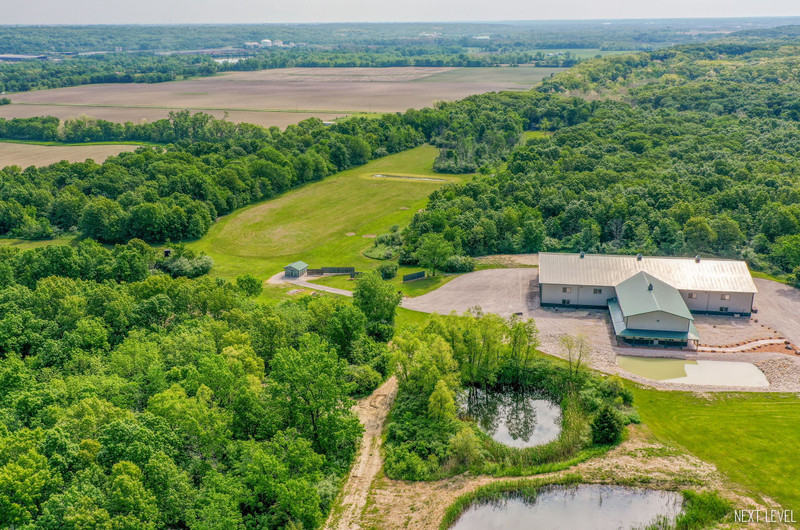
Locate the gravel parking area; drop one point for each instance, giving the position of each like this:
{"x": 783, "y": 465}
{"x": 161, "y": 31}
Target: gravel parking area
{"x": 509, "y": 291}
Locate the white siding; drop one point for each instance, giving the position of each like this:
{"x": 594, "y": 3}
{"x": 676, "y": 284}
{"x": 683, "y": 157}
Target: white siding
{"x": 658, "y": 321}
{"x": 711, "y": 302}
{"x": 578, "y": 295}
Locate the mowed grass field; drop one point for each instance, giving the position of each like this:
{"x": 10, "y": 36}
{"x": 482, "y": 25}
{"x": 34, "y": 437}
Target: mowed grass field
{"x": 276, "y": 97}
{"x": 25, "y": 154}
{"x": 312, "y": 223}
{"x": 752, "y": 438}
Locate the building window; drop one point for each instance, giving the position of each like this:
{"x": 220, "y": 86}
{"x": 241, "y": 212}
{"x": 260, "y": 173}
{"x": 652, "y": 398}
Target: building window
{"x": 723, "y": 309}
{"x": 565, "y": 302}
{"x": 566, "y": 289}
{"x": 725, "y": 297}
{"x": 692, "y": 296}
{"x": 598, "y": 291}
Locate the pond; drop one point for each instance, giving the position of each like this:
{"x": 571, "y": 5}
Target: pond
{"x": 513, "y": 418}
{"x": 712, "y": 373}
{"x": 593, "y": 506}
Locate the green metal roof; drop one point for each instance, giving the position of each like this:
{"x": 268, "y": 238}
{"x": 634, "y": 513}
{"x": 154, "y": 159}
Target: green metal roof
{"x": 618, "y": 320}
{"x": 636, "y": 297}
{"x": 298, "y": 265}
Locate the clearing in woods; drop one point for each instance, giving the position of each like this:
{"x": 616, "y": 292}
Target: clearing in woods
{"x": 312, "y": 223}
{"x": 276, "y": 97}
{"x": 28, "y": 154}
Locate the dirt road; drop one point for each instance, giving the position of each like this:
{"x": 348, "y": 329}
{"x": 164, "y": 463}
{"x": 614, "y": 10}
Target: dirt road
{"x": 372, "y": 412}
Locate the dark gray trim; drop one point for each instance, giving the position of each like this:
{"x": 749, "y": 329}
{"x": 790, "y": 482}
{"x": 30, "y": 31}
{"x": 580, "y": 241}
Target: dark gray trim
{"x": 574, "y": 306}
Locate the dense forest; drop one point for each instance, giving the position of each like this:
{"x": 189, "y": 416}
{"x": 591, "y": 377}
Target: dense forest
{"x": 132, "y": 399}
{"x": 703, "y": 159}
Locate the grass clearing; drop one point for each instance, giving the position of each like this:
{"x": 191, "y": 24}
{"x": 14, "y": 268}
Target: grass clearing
{"x": 413, "y": 288}
{"x": 311, "y": 223}
{"x": 752, "y": 438}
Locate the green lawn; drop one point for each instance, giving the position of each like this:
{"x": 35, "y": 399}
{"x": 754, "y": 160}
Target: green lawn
{"x": 311, "y": 223}
{"x": 752, "y": 438}
{"x": 414, "y": 288}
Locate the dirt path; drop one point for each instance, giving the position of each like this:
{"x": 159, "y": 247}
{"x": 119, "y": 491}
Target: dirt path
{"x": 372, "y": 412}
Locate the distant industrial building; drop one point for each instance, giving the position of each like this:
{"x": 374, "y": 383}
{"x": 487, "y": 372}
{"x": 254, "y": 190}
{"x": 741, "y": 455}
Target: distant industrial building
{"x": 15, "y": 57}
{"x": 266, "y": 43}
{"x": 651, "y": 299}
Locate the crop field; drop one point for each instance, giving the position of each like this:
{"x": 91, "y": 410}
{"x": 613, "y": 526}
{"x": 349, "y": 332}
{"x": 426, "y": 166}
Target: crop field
{"x": 24, "y": 155}
{"x": 751, "y": 438}
{"x": 276, "y": 97}
{"x": 313, "y": 223}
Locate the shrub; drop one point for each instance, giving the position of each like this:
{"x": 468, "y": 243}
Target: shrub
{"x": 400, "y": 462}
{"x": 388, "y": 270}
{"x": 702, "y": 510}
{"x": 465, "y": 447}
{"x": 365, "y": 379}
{"x": 459, "y": 264}
{"x": 5, "y": 101}
{"x": 606, "y": 427}
{"x": 249, "y": 285}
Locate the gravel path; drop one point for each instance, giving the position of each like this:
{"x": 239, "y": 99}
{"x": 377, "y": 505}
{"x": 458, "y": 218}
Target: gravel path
{"x": 372, "y": 412}
{"x": 302, "y": 282}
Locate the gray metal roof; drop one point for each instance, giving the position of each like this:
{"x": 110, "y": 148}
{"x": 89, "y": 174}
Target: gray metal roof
{"x": 608, "y": 270}
{"x": 643, "y": 293}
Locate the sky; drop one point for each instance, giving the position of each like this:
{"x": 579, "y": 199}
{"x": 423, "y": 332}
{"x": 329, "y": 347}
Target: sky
{"x": 258, "y": 11}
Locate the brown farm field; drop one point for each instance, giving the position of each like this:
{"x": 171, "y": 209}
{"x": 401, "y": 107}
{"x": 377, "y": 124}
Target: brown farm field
{"x": 276, "y": 97}
{"x": 25, "y": 155}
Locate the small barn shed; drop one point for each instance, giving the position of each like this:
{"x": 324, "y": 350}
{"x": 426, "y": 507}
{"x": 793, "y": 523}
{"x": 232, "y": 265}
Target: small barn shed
{"x": 296, "y": 269}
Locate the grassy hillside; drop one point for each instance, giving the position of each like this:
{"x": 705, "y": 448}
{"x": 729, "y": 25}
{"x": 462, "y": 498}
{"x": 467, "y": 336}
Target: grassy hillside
{"x": 312, "y": 223}
{"x": 752, "y": 438}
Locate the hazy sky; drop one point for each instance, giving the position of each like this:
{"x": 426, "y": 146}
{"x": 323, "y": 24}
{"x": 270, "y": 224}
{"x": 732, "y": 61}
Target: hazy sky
{"x": 232, "y": 11}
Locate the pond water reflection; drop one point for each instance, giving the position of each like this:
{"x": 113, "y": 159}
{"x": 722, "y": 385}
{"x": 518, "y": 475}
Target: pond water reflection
{"x": 517, "y": 419}
{"x": 589, "y": 506}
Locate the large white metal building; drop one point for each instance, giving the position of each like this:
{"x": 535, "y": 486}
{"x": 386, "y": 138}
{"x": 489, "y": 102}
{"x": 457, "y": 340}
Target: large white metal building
{"x": 656, "y": 305}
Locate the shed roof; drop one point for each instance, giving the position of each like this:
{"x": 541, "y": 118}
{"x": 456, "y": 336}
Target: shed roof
{"x": 643, "y": 293}
{"x": 685, "y": 274}
{"x": 297, "y": 265}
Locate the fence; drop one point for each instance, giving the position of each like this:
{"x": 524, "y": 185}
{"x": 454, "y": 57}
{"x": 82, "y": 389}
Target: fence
{"x": 413, "y": 276}
{"x": 331, "y": 270}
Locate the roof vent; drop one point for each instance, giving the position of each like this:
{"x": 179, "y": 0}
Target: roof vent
{"x": 650, "y": 287}
{"x": 583, "y": 254}
{"x": 639, "y": 256}
{"x": 697, "y": 259}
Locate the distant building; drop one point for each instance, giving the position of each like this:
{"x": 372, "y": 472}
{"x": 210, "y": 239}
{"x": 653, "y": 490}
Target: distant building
{"x": 266, "y": 43}
{"x": 296, "y": 269}
{"x": 15, "y": 58}
{"x": 277, "y": 42}
{"x": 252, "y": 44}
